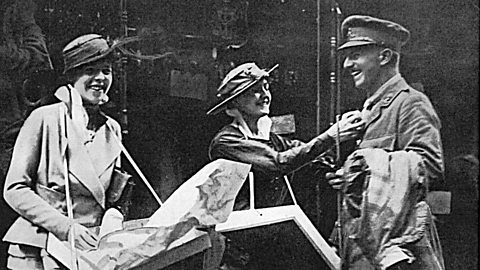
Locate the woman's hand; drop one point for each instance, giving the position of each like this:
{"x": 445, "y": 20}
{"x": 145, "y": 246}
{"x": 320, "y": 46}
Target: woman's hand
{"x": 335, "y": 179}
{"x": 350, "y": 126}
{"x": 84, "y": 238}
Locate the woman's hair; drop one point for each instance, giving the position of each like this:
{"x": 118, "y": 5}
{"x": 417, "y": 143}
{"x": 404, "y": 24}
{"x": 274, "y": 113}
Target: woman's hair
{"x": 73, "y": 74}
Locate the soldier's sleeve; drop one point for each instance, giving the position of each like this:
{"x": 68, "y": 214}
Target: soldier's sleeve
{"x": 419, "y": 129}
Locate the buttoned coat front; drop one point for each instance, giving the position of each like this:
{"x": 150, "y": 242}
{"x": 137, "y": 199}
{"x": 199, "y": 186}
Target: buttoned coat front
{"x": 402, "y": 118}
{"x": 48, "y": 145}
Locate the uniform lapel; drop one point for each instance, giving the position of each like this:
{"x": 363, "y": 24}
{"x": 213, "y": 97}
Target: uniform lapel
{"x": 371, "y": 115}
{"x": 384, "y": 100}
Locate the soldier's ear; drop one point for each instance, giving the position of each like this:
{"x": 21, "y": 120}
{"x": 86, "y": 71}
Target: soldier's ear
{"x": 386, "y": 56}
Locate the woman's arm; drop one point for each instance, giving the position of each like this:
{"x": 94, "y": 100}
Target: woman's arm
{"x": 22, "y": 186}
{"x": 265, "y": 158}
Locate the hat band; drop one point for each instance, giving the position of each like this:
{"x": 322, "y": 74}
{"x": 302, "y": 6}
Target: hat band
{"x": 237, "y": 86}
{"x": 373, "y": 36}
{"x": 84, "y": 53}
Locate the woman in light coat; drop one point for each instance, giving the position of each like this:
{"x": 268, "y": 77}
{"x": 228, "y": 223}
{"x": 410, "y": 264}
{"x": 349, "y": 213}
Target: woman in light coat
{"x": 70, "y": 135}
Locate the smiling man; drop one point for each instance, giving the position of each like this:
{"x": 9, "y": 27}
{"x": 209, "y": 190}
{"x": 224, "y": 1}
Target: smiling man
{"x": 398, "y": 118}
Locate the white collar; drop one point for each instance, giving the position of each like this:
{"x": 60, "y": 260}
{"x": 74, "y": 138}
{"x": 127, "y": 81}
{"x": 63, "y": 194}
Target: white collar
{"x": 70, "y": 96}
{"x": 264, "y": 125}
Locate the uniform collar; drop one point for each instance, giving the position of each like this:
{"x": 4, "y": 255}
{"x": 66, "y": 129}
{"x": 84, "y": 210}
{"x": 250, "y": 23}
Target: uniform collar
{"x": 383, "y": 98}
{"x": 382, "y": 91}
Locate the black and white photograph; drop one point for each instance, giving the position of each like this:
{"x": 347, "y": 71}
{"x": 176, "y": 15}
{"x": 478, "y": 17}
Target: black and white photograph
{"x": 239, "y": 134}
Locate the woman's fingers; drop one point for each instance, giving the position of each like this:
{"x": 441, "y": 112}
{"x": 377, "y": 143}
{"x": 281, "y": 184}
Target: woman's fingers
{"x": 90, "y": 238}
{"x": 84, "y": 238}
{"x": 357, "y": 125}
{"x": 349, "y": 126}
{"x": 335, "y": 180}
{"x": 355, "y": 114}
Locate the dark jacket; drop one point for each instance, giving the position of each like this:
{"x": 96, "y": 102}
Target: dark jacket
{"x": 270, "y": 159}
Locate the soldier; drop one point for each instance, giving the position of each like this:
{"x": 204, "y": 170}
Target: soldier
{"x": 397, "y": 117}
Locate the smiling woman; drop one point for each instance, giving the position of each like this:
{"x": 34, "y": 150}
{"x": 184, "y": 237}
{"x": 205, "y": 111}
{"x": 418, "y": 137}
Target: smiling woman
{"x": 245, "y": 96}
{"x": 65, "y": 169}
{"x": 88, "y": 67}
{"x": 254, "y": 103}
{"x": 93, "y": 81}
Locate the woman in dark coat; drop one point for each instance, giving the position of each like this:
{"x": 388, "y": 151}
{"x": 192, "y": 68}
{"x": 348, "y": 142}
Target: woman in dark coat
{"x": 246, "y": 97}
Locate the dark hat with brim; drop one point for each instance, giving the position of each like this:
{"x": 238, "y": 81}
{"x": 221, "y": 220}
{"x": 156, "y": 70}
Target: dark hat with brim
{"x": 237, "y": 81}
{"x": 359, "y": 30}
{"x": 85, "y": 49}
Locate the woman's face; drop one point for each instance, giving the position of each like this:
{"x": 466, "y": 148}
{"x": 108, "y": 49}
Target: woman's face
{"x": 93, "y": 81}
{"x": 255, "y": 102}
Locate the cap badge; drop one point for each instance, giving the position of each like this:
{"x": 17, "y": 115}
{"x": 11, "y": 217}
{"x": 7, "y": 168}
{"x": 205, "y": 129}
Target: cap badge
{"x": 351, "y": 34}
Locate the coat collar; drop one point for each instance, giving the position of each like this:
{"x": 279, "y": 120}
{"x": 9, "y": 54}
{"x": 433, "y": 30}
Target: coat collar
{"x": 384, "y": 97}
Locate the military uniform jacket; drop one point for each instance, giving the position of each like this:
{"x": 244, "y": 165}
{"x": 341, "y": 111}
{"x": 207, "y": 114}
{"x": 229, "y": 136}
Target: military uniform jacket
{"x": 402, "y": 118}
{"x": 35, "y": 182}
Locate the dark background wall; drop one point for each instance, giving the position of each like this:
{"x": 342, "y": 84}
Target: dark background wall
{"x": 169, "y": 135}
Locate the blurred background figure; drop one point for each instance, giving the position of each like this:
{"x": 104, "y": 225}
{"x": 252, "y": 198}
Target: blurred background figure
{"x": 23, "y": 54}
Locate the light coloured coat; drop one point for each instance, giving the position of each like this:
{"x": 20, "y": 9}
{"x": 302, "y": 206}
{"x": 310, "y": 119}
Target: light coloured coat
{"x": 35, "y": 183}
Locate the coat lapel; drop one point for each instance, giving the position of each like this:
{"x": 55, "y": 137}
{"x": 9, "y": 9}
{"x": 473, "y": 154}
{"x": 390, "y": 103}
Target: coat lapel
{"x": 81, "y": 165}
{"x": 109, "y": 149}
{"x": 372, "y": 115}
